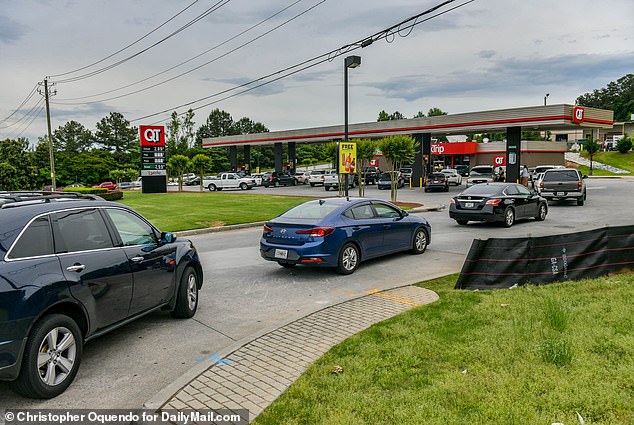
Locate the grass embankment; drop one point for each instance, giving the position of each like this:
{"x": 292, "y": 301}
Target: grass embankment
{"x": 176, "y": 211}
{"x": 624, "y": 161}
{"x": 531, "y": 355}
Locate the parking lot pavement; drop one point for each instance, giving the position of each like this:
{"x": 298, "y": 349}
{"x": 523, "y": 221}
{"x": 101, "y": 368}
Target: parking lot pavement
{"x": 252, "y": 375}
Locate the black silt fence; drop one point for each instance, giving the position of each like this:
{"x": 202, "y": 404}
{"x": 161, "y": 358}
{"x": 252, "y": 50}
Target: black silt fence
{"x": 502, "y": 263}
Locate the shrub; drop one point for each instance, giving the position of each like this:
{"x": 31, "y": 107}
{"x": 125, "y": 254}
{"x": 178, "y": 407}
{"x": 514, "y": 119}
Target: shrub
{"x": 624, "y": 145}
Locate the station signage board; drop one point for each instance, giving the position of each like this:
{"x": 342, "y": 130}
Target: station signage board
{"x": 153, "y": 161}
{"x": 348, "y": 161}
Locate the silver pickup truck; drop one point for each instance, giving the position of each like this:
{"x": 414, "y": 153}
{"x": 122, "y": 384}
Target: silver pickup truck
{"x": 563, "y": 183}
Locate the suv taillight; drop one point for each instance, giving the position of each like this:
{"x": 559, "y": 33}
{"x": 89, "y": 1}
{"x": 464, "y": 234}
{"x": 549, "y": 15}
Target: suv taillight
{"x": 579, "y": 185}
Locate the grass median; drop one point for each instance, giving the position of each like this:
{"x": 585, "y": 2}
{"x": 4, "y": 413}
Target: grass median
{"x": 176, "y": 211}
{"x": 530, "y": 355}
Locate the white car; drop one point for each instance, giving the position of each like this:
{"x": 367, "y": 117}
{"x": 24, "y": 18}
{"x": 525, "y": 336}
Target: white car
{"x": 453, "y": 176}
{"x": 481, "y": 174}
{"x": 301, "y": 177}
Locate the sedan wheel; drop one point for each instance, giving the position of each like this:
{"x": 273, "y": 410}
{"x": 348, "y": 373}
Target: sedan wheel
{"x": 187, "y": 298}
{"x": 51, "y": 358}
{"x": 348, "y": 259}
{"x": 420, "y": 241}
{"x": 509, "y": 217}
{"x": 541, "y": 213}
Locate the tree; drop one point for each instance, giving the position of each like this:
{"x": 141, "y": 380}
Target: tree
{"x": 366, "y": 149}
{"x": 20, "y": 173}
{"x": 435, "y": 112}
{"x": 624, "y": 145}
{"x": 331, "y": 154}
{"x": 73, "y": 137}
{"x": 398, "y": 150}
{"x": 618, "y": 96}
{"x": 115, "y": 134}
{"x": 384, "y": 116}
{"x": 218, "y": 123}
{"x": 178, "y": 165}
{"x": 201, "y": 163}
{"x": 117, "y": 175}
{"x": 592, "y": 146}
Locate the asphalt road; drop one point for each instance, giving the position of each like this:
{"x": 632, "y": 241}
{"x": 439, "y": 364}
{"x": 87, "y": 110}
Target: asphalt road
{"x": 244, "y": 295}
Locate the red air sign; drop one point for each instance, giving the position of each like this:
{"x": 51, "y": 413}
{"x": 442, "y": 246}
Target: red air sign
{"x": 578, "y": 114}
{"x": 152, "y": 135}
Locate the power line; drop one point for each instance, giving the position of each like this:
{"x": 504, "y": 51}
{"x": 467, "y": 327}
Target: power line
{"x": 129, "y": 45}
{"x": 66, "y": 101}
{"x": 203, "y": 15}
{"x": 27, "y": 118}
{"x": 317, "y": 60}
{"x": 28, "y": 97}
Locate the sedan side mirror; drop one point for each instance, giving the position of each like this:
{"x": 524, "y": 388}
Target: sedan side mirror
{"x": 167, "y": 237}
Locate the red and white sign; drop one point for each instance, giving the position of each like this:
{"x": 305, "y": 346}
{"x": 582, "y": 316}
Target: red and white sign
{"x": 578, "y": 114}
{"x": 374, "y": 162}
{"x": 499, "y": 161}
{"x": 458, "y": 148}
{"x": 152, "y": 135}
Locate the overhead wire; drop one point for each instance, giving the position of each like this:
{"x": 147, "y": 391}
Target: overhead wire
{"x": 317, "y": 60}
{"x": 129, "y": 45}
{"x": 203, "y": 15}
{"x": 28, "y": 116}
{"x": 68, "y": 101}
{"x": 28, "y": 97}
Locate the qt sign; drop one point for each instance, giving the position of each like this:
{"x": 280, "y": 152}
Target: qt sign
{"x": 152, "y": 135}
{"x": 578, "y": 114}
{"x": 499, "y": 161}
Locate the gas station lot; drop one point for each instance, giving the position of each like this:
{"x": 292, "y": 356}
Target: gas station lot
{"x": 243, "y": 295}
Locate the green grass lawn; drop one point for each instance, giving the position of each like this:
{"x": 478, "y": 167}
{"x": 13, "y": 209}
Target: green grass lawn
{"x": 613, "y": 158}
{"x": 176, "y": 211}
{"x": 531, "y": 355}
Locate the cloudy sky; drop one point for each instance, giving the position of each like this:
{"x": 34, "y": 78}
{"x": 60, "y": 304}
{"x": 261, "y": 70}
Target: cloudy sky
{"x": 487, "y": 54}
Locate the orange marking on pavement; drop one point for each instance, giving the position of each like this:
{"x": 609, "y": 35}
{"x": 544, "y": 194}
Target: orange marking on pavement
{"x": 391, "y": 297}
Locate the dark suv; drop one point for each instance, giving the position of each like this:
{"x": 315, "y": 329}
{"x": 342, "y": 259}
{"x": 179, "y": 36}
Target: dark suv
{"x": 73, "y": 267}
{"x": 370, "y": 175}
{"x": 279, "y": 178}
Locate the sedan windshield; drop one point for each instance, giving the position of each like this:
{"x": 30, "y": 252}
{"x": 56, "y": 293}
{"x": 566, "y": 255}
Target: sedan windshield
{"x": 311, "y": 210}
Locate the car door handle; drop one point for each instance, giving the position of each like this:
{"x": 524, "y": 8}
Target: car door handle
{"x": 137, "y": 259}
{"x": 387, "y": 226}
{"x": 76, "y": 268}
{"x": 356, "y": 228}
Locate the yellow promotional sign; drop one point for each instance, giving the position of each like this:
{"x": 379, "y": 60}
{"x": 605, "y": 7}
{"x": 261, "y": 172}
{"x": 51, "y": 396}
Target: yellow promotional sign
{"x": 347, "y": 157}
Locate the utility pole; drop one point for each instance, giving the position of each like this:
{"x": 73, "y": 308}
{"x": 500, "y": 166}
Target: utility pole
{"x": 50, "y": 136}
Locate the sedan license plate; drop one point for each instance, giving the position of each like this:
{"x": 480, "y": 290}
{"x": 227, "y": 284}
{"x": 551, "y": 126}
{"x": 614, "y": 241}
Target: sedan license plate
{"x": 281, "y": 253}
{"x": 468, "y": 205}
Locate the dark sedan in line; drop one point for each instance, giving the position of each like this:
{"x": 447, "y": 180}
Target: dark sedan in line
{"x": 342, "y": 232}
{"x": 503, "y": 202}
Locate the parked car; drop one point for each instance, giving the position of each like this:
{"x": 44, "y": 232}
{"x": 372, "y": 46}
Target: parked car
{"x": 73, "y": 267}
{"x": 370, "y": 174}
{"x": 301, "y": 177}
{"x": 228, "y": 181}
{"x": 342, "y": 232}
{"x": 503, "y": 202}
{"x": 316, "y": 177}
{"x": 194, "y": 181}
{"x": 126, "y": 185}
{"x": 407, "y": 173}
{"x": 453, "y": 176}
{"x": 563, "y": 183}
{"x": 463, "y": 170}
{"x": 481, "y": 174}
{"x": 278, "y": 178}
{"x": 437, "y": 181}
{"x": 385, "y": 181}
{"x": 74, "y": 185}
{"x": 331, "y": 181}
{"x": 106, "y": 185}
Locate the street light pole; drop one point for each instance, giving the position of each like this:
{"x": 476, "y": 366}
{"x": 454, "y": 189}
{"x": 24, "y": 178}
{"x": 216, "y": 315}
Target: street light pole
{"x": 546, "y": 97}
{"x": 349, "y": 62}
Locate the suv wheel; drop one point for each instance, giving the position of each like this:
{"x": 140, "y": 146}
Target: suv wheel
{"x": 51, "y": 357}
{"x": 187, "y": 298}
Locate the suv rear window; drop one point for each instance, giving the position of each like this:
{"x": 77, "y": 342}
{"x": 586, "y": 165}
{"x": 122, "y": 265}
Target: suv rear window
{"x": 35, "y": 241}
{"x": 561, "y": 176}
{"x": 482, "y": 170}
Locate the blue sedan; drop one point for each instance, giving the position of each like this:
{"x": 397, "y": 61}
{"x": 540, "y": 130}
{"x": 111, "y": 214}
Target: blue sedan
{"x": 342, "y": 232}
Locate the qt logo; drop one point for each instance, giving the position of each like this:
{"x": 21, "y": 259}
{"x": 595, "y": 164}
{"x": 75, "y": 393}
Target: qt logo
{"x": 578, "y": 114}
{"x": 152, "y": 135}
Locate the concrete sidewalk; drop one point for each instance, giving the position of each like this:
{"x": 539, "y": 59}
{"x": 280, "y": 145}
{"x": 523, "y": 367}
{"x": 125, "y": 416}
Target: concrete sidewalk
{"x": 252, "y": 374}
